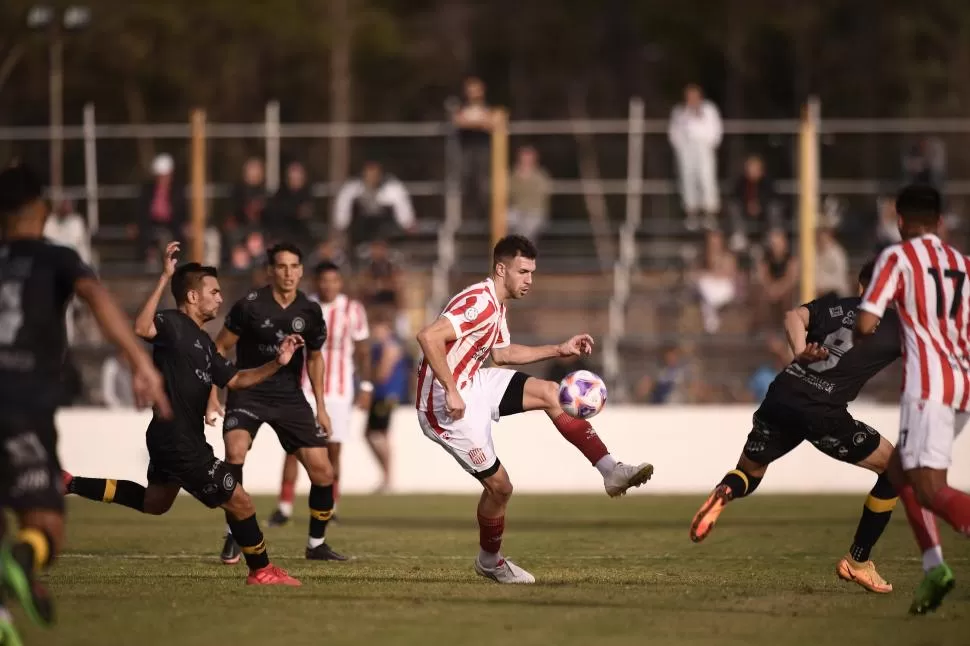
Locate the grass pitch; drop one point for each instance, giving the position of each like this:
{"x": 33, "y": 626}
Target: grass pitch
{"x": 609, "y": 571}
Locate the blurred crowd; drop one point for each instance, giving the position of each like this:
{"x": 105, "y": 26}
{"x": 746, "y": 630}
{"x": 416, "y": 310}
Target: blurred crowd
{"x": 740, "y": 268}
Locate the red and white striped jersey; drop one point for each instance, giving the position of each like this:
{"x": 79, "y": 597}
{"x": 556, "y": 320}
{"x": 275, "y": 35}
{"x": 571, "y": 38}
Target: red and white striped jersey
{"x": 480, "y": 326}
{"x": 926, "y": 279}
{"x": 346, "y": 322}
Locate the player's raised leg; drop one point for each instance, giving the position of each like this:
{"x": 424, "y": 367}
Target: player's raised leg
{"x": 540, "y": 394}
{"x": 284, "y": 507}
{"x": 155, "y": 499}
{"x": 320, "y": 471}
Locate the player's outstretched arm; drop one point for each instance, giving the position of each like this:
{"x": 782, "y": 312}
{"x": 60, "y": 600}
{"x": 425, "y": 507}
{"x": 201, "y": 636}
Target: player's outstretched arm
{"x": 519, "y": 355}
{"x": 796, "y": 328}
{"x": 251, "y": 377}
{"x": 146, "y": 381}
{"x": 145, "y": 321}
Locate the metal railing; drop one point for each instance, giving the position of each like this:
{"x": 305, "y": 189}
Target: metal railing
{"x": 634, "y": 186}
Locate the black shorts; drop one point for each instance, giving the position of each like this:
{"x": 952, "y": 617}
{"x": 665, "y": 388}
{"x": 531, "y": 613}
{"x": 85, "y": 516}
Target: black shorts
{"x": 210, "y": 482}
{"x": 30, "y": 474}
{"x": 379, "y": 417}
{"x": 293, "y": 420}
{"x": 777, "y": 429}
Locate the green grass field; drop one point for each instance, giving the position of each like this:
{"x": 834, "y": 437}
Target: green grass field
{"x": 609, "y": 571}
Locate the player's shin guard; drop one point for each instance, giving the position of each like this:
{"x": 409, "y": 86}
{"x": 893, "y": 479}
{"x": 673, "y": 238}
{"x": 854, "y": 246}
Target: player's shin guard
{"x": 119, "y": 492}
{"x": 580, "y": 434}
{"x": 250, "y": 540}
{"x": 237, "y": 473}
{"x": 740, "y": 483}
{"x": 490, "y": 532}
{"x": 923, "y": 523}
{"x": 321, "y": 511}
{"x": 875, "y": 516}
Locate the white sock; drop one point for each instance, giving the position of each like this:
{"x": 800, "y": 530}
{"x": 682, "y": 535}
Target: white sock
{"x": 606, "y": 465}
{"x": 314, "y": 542}
{"x": 932, "y": 558}
{"x": 286, "y": 508}
{"x": 489, "y": 559}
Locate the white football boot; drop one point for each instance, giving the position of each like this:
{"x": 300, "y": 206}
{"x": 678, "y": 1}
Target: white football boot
{"x": 505, "y": 572}
{"x": 624, "y": 476}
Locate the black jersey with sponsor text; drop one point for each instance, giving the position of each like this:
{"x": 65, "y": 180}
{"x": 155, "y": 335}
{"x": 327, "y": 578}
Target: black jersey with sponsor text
{"x": 829, "y": 385}
{"x": 261, "y": 323}
{"x": 37, "y": 281}
{"x": 187, "y": 358}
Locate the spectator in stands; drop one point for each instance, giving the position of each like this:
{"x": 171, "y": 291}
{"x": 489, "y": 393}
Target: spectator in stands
{"x": 717, "y": 283}
{"x": 777, "y": 275}
{"x": 674, "y": 382}
{"x": 66, "y": 227}
{"x": 327, "y": 251}
{"x": 116, "y": 389}
{"x": 529, "y": 188}
{"x": 381, "y": 284}
{"x": 474, "y": 120}
{"x": 291, "y": 209}
{"x": 831, "y": 265}
{"x": 248, "y": 203}
{"x": 779, "y": 356}
{"x": 754, "y": 207}
{"x": 887, "y": 229}
{"x": 161, "y": 210}
{"x": 925, "y": 163}
{"x": 695, "y": 132}
{"x": 374, "y": 206}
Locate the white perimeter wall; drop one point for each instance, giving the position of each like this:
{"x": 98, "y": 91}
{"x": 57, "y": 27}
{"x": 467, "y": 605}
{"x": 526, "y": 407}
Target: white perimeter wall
{"x": 691, "y": 448}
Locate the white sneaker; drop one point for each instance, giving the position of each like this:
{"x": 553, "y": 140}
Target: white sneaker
{"x": 624, "y": 476}
{"x": 505, "y": 572}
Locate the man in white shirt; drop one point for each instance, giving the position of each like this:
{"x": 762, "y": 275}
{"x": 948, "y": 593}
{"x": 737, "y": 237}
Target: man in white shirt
{"x": 66, "y": 228}
{"x": 372, "y": 207}
{"x": 695, "y": 133}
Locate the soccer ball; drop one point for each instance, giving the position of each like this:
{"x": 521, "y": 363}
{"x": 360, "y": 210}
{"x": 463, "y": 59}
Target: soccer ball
{"x": 582, "y": 394}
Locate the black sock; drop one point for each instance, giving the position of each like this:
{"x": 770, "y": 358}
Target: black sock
{"x": 33, "y": 549}
{"x": 250, "y": 539}
{"x": 739, "y": 483}
{"x": 119, "y": 492}
{"x": 875, "y": 516}
{"x": 321, "y": 509}
{"x": 236, "y": 470}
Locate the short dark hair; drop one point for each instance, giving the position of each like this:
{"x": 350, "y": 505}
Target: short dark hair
{"x": 19, "y": 186}
{"x": 281, "y": 247}
{"x": 865, "y": 274}
{"x": 189, "y": 277}
{"x": 324, "y": 266}
{"x": 511, "y": 246}
{"x": 919, "y": 205}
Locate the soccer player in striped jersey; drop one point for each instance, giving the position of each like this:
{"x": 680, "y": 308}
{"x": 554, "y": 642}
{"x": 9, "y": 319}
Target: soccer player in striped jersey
{"x": 458, "y": 399}
{"x": 926, "y": 280}
{"x": 346, "y": 356}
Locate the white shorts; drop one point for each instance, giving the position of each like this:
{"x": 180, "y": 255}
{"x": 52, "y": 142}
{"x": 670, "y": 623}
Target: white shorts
{"x": 341, "y": 411}
{"x": 926, "y": 433}
{"x": 469, "y": 440}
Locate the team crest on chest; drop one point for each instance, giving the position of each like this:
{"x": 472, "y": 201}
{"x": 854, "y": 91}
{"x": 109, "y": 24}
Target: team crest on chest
{"x": 298, "y": 324}
{"x": 251, "y": 296}
{"x": 471, "y": 314}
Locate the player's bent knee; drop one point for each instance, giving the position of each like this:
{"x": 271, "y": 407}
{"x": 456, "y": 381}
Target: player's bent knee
{"x": 240, "y": 504}
{"x": 49, "y": 521}
{"x": 158, "y": 501}
{"x": 498, "y": 486}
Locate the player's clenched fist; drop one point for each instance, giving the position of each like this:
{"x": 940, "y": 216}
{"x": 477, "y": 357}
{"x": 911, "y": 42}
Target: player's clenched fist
{"x": 455, "y": 404}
